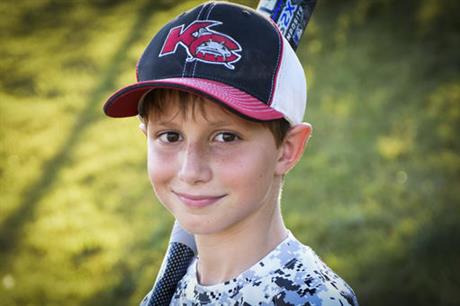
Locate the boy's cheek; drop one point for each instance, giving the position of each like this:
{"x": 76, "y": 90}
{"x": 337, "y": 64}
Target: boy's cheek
{"x": 160, "y": 165}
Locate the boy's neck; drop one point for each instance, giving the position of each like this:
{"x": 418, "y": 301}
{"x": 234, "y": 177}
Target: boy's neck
{"x": 225, "y": 255}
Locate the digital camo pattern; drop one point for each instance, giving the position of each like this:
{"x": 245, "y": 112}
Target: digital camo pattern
{"x": 291, "y": 274}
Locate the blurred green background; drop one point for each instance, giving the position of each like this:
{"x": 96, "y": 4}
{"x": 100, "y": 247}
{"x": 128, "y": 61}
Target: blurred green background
{"x": 376, "y": 194}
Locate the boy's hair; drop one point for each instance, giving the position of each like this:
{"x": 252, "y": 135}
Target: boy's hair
{"x": 156, "y": 102}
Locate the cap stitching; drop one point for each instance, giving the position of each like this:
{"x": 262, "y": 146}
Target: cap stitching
{"x": 197, "y": 18}
{"x": 207, "y": 18}
{"x": 224, "y": 81}
{"x": 137, "y": 69}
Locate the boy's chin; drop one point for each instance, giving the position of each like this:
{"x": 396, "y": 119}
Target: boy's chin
{"x": 200, "y": 227}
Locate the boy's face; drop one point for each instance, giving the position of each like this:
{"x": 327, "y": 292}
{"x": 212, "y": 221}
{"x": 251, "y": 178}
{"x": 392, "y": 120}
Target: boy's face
{"x": 212, "y": 169}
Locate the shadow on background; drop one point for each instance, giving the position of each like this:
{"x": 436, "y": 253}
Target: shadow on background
{"x": 12, "y": 227}
{"x": 121, "y": 294}
{"x": 422, "y": 266}
{"x": 425, "y": 272}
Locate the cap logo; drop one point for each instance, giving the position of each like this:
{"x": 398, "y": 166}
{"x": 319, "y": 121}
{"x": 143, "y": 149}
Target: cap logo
{"x": 203, "y": 44}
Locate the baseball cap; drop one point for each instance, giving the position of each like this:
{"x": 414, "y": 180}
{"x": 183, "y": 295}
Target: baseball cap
{"x": 228, "y": 53}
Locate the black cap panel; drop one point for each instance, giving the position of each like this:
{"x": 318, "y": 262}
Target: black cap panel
{"x": 208, "y": 42}
{"x": 151, "y": 66}
{"x": 254, "y": 71}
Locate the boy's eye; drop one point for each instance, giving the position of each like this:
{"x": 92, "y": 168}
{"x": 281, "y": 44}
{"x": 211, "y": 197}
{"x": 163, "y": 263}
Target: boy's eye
{"x": 170, "y": 137}
{"x": 226, "y": 137}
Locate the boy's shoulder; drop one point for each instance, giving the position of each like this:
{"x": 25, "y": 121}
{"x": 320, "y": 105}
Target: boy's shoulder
{"x": 304, "y": 278}
{"x": 292, "y": 274}
{"x": 296, "y": 275}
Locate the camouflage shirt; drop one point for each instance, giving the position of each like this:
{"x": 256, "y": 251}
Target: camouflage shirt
{"x": 291, "y": 274}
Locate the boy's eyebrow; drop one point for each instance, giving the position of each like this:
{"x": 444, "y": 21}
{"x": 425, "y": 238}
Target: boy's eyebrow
{"x": 210, "y": 123}
{"x": 165, "y": 123}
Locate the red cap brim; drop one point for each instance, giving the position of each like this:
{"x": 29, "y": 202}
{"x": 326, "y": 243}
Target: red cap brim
{"x": 125, "y": 101}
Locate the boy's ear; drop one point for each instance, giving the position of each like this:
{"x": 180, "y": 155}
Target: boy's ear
{"x": 143, "y": 128}
{"x": 292, "y": 148}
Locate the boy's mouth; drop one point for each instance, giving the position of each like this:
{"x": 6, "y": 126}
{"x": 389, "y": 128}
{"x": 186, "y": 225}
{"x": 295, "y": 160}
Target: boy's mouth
{"x": 197, "y": 201}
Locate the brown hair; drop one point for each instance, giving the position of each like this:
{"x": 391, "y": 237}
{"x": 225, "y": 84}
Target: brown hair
{"x": 155, "y": 102}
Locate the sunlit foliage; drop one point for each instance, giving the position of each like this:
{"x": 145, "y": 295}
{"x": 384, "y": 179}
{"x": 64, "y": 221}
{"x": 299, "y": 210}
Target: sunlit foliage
{"x": 376, "y": 194}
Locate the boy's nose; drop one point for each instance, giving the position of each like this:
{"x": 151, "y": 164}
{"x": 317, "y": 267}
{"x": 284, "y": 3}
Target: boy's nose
{"x": 194, "y": 166}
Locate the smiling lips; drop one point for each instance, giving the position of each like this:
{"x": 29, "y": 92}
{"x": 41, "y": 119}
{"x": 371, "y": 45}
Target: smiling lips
{"x": 197, "y": 201}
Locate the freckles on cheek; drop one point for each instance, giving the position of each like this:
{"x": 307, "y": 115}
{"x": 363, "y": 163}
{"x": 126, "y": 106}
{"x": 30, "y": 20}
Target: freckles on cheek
{"x": 229, "y": 166}
{"x": 258, "y": 168}
{"x": 243, "y": 175}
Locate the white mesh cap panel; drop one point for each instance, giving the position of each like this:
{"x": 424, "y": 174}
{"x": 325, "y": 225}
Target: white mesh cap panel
{"x": 290, "y": 97}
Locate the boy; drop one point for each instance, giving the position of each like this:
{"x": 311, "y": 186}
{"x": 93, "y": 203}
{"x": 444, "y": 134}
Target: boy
{"x": 221, "y": 96}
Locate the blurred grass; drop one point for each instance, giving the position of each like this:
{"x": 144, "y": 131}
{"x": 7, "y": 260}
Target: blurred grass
{"x": 376, "y": 194}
